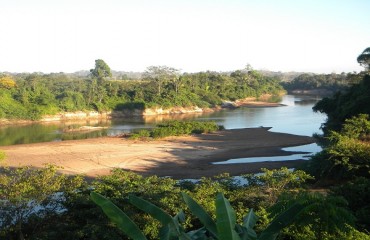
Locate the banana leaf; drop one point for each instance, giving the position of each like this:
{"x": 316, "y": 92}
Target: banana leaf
{"x": 226, "y": 219}
{"x": 117, "y": 216}
{"x": 199, "y": 212}
{"x": 170, "y": 228}
{"x": 281, "y": 221}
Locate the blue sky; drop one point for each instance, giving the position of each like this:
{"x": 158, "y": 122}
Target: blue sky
{"x": 68, "y": 35}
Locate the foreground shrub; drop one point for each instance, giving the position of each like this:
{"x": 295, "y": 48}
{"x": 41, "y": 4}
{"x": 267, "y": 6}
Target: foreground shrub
{"x": 70, "y": 213}
{"x": 347, "y": 154}
{"x": 357, "y": 194}
{"x": 27, "y": 193}
{"x": 225, "y": 226}
{"x": 324, "y": 217}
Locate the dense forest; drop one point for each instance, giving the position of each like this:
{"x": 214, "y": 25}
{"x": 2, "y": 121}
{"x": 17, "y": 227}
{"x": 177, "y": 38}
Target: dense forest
{"x": 33, "y": 95}
{"x": 30, "y": 96}
{"x": 329, "y": 83}
{"x": 327, "y": 199}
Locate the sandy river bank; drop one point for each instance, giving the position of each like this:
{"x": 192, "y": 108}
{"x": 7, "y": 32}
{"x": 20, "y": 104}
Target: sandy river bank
{"x": 179, "y": 157}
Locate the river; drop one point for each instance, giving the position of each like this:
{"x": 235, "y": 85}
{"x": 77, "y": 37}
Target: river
{"x": 296, "y": 117}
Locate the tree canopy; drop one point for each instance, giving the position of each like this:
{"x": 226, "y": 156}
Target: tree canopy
{"x": 364, "y": 59}
{"x": 101, "y": 70}
{"x": 161, "y": 75}
{"x": 30, "y": 96}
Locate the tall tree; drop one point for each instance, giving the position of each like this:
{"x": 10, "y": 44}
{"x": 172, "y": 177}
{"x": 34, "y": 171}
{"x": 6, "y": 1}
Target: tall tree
{"x": 364, "y": 59}
{"x": 101, "y": 70}
{"x": 161, "y": 75}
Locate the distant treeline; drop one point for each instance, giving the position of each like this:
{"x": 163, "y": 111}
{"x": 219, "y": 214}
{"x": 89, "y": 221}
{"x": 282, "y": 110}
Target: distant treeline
{"x": 329, "y": 82}
{"x": 30, "y": 96}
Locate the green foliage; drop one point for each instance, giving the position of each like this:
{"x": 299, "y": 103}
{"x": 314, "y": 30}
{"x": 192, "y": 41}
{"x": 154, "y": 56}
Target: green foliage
{"x": 347, "y": 154}
{"x": 330, "y": 83}
{"x": 72, "y": 101}
{"x": 345, "y": 105}
{"x": 357, "y": 127}
{"x": 129, "y": 106}
{"x": 323, "y": 217}
{"x": 35, "y": 95}
{"x": 142, "y": 134}
{"x": 122, "y": 221}
{"x": 274, "y": 182}
{"x": 171, "y": 229}
{"x": 201, "y": 213}
{"x": 349, "y": 157}
{"x": 2, "y": 156}
{"x": 80, "y": 218}
{"x": 351, "y": 234}
{"x": 357, "y": 194}
{"x": 162, "y": 192}
{"x": 225, "y": 226}
{"x": 101, "y": 70}
{"x": 178, "y": 128}
{"x": 175, "y": 128}
{"x": 345, "y": 158}
{"x": 364, "y": 59}
{"x": 27, "y": 193}
{"x": 162, "y": 75}
{"x": 10, "y": 108}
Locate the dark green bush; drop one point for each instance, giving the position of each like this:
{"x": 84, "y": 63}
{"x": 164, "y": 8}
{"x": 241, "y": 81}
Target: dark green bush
{"x": 357, "y": 194}
{"x": 177, "y": 128}
{"x": 142, "y": 134}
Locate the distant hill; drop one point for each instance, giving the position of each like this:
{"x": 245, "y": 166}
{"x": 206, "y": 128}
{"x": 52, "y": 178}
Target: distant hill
{"x": 283, "y": 76}
{"x": 118, "y": 75}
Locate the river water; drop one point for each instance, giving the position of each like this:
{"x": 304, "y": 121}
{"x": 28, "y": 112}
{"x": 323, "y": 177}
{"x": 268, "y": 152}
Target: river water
{"x": 296, "y": 117}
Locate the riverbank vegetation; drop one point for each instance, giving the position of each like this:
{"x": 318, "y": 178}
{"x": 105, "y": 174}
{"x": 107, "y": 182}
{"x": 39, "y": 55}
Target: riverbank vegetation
{"x": 322, "y": 84}
{"x": 31, "y": 96}
{"x": 345, "y": 158}
{"x": 176, "y": 128}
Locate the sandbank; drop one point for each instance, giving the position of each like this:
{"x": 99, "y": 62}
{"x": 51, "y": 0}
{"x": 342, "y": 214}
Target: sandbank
{"x": 178, "y": 157}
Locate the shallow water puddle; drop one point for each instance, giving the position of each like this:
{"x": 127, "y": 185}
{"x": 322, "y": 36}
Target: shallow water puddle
{"x": 304, "y": 152}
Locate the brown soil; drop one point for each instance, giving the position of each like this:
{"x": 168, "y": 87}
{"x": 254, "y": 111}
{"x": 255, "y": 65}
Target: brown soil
{"x": 179, "y": 157}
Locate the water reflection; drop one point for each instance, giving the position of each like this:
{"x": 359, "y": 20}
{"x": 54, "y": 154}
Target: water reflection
{"x": 292, "y": 118}
{"x": 49, "y": 132}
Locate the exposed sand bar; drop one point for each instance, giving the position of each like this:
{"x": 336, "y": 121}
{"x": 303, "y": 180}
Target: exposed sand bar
{"x": 179, "y": 157}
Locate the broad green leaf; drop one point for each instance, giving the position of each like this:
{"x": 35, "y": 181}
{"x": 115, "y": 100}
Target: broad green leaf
{"x": 171, "y": 228}
{"x": 250, "y": 219}
{"x": 281, "y": 221}
{"x": 116, "y": 215}
{"x": 249, "y": 222}
{"x": 164, "y": 232}
{"x": 198, "y": 234}
{"x": 151, "y": 209}
{"x": 226, "y": 219}
{"x": 243, "y": 233}
{"x": 199, "y": 212}
{"x": 180, "y": 217}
